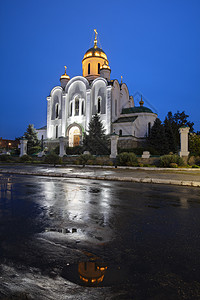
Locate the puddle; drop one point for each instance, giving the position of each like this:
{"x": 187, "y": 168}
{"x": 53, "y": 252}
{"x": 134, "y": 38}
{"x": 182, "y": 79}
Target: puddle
{"x": 94, "y": 272}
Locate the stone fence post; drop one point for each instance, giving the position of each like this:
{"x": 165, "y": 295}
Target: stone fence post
{"x": 114, "y": 140}
{"x": 62, "y": 141}
{"x": 184, "y": 141}
{"x": 23, "y": 147}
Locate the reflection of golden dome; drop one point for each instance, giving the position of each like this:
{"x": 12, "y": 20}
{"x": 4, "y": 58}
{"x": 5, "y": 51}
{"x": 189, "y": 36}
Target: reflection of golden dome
{"x": 65, "y": 76}
{"x": 91, "y": 273}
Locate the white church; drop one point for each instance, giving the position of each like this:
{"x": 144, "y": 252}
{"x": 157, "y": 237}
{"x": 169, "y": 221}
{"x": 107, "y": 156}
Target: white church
{"x": 71, "y": 106}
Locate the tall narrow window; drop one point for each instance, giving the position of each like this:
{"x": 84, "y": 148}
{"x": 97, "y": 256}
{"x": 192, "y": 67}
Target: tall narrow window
{"x": 99, "y": 105}
{"x": 70, "y": 110}
{"x": 98, "y": 68}
{"x": 88, "y": 68}
{"x": 115, "y": 107}
{"x": 120, "y": 132}
{"x": 76, "y": 107}
{"x": 149, "y": 128}
{"x": 82, "y": 111}
{"x": 56, "y": 110}
{"x": 56, "y": 132}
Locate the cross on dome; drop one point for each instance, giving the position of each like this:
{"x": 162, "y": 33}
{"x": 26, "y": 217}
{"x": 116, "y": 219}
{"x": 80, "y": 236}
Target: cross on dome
{"x": 95, "y": 39}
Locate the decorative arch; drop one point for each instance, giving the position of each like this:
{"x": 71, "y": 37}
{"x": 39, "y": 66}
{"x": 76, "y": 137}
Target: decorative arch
{"x": 74, "y": 134}
{"x": 76, "y": 79}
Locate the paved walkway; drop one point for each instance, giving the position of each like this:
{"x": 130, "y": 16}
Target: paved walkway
{"x": 179, "y": 176}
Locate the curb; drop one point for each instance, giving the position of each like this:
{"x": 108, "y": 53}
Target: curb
{"x": 108, "y": 178}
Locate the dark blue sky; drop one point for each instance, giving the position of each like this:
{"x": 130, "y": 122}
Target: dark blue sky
{"x": 153, "y": 44}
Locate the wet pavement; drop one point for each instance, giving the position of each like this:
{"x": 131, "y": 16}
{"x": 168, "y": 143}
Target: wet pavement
{"x": 179, "y": 176}
{"x": 87, "y": 239}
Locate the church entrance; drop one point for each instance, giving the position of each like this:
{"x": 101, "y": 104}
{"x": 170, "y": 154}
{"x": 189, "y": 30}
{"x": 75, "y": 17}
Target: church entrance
{"x": 74, "y": 136}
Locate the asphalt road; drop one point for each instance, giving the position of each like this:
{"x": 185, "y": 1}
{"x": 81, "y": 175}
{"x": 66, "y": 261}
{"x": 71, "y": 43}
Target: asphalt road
{"x": 190, "y": 177}
{"x": 135, "y": 241}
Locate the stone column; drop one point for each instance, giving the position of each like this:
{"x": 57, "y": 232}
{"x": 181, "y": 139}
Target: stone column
{"x": 184, "y": 141}
{"x": 62, "y": 146}
{"x": 114, "y": 139}
{"x": 23, "y": 147}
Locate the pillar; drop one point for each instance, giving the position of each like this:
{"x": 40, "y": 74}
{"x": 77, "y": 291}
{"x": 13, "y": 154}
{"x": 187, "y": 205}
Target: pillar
{"x": 114, "y": 139}
{"x": 23, "y": 147}
{"x": 62, "y": 146}
{"x": 184, "y": 141}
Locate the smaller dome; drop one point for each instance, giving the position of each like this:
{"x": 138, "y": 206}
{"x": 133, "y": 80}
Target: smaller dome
{"x": 65, "y": 76}
{"x": 141, "y": 102}
{"x": 105, "y": 66}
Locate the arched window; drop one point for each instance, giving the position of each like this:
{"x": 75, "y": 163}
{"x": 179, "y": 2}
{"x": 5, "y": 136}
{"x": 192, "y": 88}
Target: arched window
{"x": 56, "y": 109}
{"x": 99, "y": 105}
{"x": 120, "y": 132}
{"x": 115, "y": 107}
{"x": 88, "y": 68}
{"x": 82, "y": 110}
{"x": 70, "y": 113}
{"x": 76, "y": 107}
{"x": 56, "y": 131}
{"x": 149, "y": 128}
{"x": 98, "y": 68}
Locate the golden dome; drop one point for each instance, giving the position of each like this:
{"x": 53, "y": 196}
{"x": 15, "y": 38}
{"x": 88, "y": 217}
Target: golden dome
{"x": 65, "y": 76}
{"x": 95, "y": 52}
{"x": 93, "y": 60}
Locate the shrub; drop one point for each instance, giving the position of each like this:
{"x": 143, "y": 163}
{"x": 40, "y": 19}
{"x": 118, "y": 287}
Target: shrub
{"x": 195, "y": 166}
{"x": 127, "y": 159}
{"x": 77, "y": 150}
{"x": 173, "y": 165}
{"x": 194, "y": 160}
{"x": 34, "y": 150}
{"x": 56, "y": 150}
{"x": 25, "y": 158}
{"x": 137, "y": 151}
{"x": 5, "y": 157}
{"x": 52, "y": 158}
{"x": 84, "y": 158}
{"x": 170, "y": 160}
{"x": 103, "y": 161}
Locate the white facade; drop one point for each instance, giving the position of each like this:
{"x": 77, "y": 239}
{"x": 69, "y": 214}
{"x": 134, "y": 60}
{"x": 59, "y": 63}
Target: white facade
{"x": 71, "y": 106}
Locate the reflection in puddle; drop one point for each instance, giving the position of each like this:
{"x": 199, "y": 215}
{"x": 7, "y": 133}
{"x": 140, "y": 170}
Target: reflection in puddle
{"x": 91, "y": 273}
{"x": 88, "y": 273}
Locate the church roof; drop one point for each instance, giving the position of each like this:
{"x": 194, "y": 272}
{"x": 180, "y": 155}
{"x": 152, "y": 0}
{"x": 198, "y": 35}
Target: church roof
{"x": 125, "y": 119}
{"x": 42, "y": 128}
{"x": 136, "y": 109}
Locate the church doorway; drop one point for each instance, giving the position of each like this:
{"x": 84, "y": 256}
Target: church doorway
{"x": 74, "y": 136}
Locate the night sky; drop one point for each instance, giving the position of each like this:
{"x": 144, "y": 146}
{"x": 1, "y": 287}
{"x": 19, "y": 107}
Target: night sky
{"x": 153, "y": 44}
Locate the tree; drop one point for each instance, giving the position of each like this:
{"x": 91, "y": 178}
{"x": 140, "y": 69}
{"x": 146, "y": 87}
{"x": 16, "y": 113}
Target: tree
{"x": 157, "y": 138}
{"x": 33, "y": 144}
{"x": 194, "y": 144}
{"x": 96, "y": 140}
{"x": 175, "y": 122}
{"x": 170, "y": 136}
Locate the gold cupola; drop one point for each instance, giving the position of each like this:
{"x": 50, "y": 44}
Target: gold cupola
{"x": 105, "y": 71}
{"x": 93, "y": 60}
{"x": 64, "y": 79}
